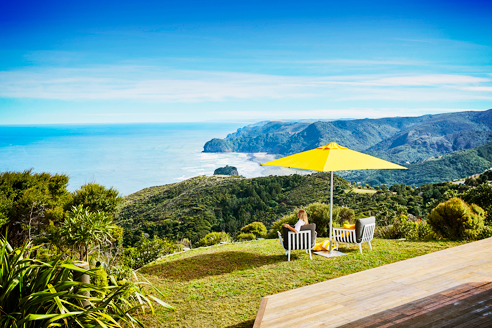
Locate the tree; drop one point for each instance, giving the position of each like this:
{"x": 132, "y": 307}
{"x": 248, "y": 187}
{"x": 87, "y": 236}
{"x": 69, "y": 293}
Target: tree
{"x": 96, "y": 197}
{"x": 82, "y": 230}
{"x": 456, "y": 219}
{"x": 28, "y": 201}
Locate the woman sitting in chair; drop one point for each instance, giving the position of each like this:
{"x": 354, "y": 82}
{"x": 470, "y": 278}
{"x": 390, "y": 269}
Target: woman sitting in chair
{"x": 303, "y": 219}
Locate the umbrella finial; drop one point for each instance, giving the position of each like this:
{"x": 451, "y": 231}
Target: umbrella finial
{"x": 332, "y": 145}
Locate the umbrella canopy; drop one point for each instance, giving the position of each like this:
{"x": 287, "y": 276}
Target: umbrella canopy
{"x": 333, "y": 157}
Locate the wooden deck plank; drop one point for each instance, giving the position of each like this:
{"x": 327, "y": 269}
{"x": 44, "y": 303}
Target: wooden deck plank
{"x": 437, "y": 288}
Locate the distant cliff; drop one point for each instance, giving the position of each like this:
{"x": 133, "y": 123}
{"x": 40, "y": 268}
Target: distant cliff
{"x": 398, "y": 139}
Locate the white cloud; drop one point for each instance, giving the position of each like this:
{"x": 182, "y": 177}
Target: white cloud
{"x": 157, "y": 84}
{"x": 430, "y": 80}
{"x": 486, "y": 89}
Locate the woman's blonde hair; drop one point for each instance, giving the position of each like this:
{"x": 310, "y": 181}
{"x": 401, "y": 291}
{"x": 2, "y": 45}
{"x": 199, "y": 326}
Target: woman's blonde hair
{"x": 303, "y": 216}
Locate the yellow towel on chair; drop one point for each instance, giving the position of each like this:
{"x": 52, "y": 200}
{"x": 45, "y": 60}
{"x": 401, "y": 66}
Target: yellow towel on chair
{"x": 324, "y": 246}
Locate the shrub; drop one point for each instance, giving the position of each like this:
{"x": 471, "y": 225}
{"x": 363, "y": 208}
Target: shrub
{"x": 343, "y": 215}
{"x": 43, "y": 254}
{"x": 120, "y": 272}
{"x": 245, "y": 236}
{"x": 386, "y": 232}
{"x": 414, "y": 230}
{"x": 486, "y": 232}
{"x": 147, "y": 250}
{"x": 277, "y": 225}
{"x": 100, "y": 277}
{"x": 258, "y": 230}
{"x": 185, "y": 242}
{"x": 403, "y": 227}
{"x": 455, "y": 219}
{"x": 319, "y": 213}
{"x": 482, "y": 196}
{"x": 214, "y": 238}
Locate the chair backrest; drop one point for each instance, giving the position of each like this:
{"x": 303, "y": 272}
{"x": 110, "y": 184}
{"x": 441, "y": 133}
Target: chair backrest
{"x": 311, "y": 227}
{"x": 299, "y": 240}
{"x": 359, "y": 227}
{"x": 368, "y": 233}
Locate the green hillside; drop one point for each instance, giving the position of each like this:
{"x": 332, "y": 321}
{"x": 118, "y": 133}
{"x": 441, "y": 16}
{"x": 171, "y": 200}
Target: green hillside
{"x": 194, "y": 207}
{"x": 399, "y": 139}
{"x": 452, "y": 166}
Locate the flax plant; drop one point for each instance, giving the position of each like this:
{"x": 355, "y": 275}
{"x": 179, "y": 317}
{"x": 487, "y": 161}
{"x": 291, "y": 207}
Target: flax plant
{"x": 47, "y": 294}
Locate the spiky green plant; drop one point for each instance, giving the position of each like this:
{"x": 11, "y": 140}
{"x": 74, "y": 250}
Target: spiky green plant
{"x": 46, "y": 294}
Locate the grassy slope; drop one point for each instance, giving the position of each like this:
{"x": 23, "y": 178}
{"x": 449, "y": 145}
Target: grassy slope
{"x": 222, "y": 286}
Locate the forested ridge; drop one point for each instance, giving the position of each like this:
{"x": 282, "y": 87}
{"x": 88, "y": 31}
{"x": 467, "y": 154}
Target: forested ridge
{"x": 452, "y": 166}
{"x": 194, "y": 207}
{"x": 398, "y": 139}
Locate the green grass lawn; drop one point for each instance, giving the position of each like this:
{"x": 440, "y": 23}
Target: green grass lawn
{"x": 222, "y": 286}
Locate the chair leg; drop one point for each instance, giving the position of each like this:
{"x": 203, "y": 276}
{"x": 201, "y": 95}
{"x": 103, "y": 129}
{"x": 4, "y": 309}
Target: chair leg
{"x": 310, "y": 257}
{"x": 288, "y": 256}
{"x": 360, "y": 248}
{"x": 347, "y": 245}
{"x": 370, "y": 245}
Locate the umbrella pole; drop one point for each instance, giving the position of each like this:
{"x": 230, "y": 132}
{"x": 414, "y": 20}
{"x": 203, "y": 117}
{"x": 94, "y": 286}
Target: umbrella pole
{"x": 331, "y": 210}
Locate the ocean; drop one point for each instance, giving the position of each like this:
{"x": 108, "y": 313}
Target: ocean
{"x": 128, "y": 157}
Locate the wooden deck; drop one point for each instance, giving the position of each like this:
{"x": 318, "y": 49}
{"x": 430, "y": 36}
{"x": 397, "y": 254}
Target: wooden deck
{"x": 449, "y": 288}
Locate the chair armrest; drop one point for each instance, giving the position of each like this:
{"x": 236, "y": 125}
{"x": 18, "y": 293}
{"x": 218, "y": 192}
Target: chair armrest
{"x": 344, "y": 235}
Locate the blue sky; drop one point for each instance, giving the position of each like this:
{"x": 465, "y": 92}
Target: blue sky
{"x": 176, "y": 61}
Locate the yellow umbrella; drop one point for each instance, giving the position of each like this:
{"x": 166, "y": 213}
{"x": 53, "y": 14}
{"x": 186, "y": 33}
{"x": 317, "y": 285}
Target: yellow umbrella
{"x": 333, "y": 157}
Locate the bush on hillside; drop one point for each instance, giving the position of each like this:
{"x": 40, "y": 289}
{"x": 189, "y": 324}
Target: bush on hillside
{"x": 185, "y": 243}
{"x": 405, "y": 227}
{"x": 148, "y": 250}
{"x": 455, "y": 219}
{"x": 277, "y": 225}
{"x": 245, "y": 236}
{"x": 343, "y": 215}
{"x": 486, "y": 232}
{"x": 482, "y": 196}
{"x": 214, "y": 238}
{"x": 319, "y": 213}
{"x": 258, "y": 230}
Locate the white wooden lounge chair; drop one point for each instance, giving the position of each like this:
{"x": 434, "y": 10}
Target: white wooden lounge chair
{"x": 363, "y": 233}
{"x": 304, "y": 239}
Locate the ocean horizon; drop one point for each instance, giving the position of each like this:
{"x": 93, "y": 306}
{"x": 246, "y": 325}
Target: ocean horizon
{"x": 128, "y": 157}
